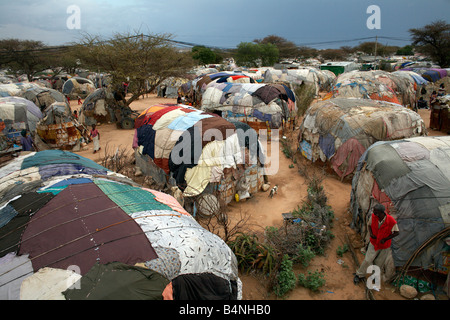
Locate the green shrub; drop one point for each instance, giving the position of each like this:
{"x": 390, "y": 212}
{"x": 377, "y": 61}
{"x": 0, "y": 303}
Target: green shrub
{"x": 304, "y": 255}
{"x": 341, "y": 250}
{"x": 286, "y": 279}
{"x": 314, "y": 280}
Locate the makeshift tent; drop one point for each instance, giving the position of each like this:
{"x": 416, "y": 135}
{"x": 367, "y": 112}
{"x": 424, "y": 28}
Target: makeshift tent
{"x": 411, "y": 178}
{"x": 340, "y": 130}
{"x": 58, "y": 129}
{"x": 43, "y": 97}
{"x": 198, "y": 151}
{"x": 199, "y": 85}
{"x": 367, "y": 83}
{"x": 320, "y": 79}
{"x": 366, "y": 89}
{"x": 430, "y": 74}
{"x": 263, "y": 106}
{"x": 97, "y": 107}
{"x": 14, "y": 89}
{"x": 19, "y": 113}
{"x": 78, "y": 87}
{"x": 169, "y": 88}
{"x": 71, "y": 229}
{"x": 412, "y": 76}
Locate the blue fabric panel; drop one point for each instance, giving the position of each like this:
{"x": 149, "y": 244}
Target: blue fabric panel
{"x": 50, "y": 157}
{"x": 6, "y": 214}
{"x": 50, "y": 171}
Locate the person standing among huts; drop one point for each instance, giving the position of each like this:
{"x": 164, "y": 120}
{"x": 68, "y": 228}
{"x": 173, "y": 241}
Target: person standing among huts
{"x": 382, "y": 228}
{"x": 435, "y": 111}
{"x": 441, "y": 90}
{"x": 26, "y": 141}
{"x": 95, "y": 136}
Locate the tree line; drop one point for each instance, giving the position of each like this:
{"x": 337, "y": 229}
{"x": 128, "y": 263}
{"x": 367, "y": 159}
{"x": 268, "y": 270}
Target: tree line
{"x": 145, "y": 61}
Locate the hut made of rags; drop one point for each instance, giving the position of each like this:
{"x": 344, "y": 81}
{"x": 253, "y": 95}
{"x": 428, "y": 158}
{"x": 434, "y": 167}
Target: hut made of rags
{"x": 72, "y": 230}
{"x": 340, "y": 130}
{"x": 411, "y": 178}
{"x": 199, "y": 152}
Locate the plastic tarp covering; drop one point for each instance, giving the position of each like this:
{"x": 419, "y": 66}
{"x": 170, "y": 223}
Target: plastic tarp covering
{"x": 328, "y": 126}
{"x": 413, "y": 183}
{"x": 118, "y": 239}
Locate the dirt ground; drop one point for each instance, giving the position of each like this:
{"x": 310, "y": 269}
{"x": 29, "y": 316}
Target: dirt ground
{"x": 265, "y": 211}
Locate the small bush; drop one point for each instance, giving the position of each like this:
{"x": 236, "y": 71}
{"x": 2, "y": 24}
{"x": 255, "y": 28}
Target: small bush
{"x": 314, "y": 280}
{"x": 341, "y": 250}
{"x": 286, "y": 279}
{"x": 304, "y": 255}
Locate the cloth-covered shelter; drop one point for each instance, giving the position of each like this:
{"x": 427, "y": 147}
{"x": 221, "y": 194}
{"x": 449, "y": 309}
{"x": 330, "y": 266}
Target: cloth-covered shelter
{"x": 411, "y": 178}
{"x": 199, "y": 85}
{"x": 263, "y": 106}
{"x": 197, "y": 151}
{"x": 14, "y": 88}
{"x": 96, "y": 107}
{"x": 78, "y": 87}
{"x": 43, "y": 97}
{"x": 57, "y": 128}
{"x": 376, "y": 84}
{"x": 320, "y": 79}
{"x": 430, "y": 74}
{"x": 71, "y": 229}
{"x": 19, "y": 113}
{"x": 339, "y": 130}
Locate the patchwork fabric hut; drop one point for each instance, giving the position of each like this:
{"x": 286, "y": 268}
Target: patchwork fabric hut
{"x": 78, "y": 87}
{"x": 340, "y": 130}
{"x": 71, "y": 229}
{"x": 262, "y": 106}
{"x": 43, "y": 97}
{"x": 19, "y": 113}
{"x": 95, "y": 107}
{"x": 57, "y": 128}
{"x": 320, "y": 79}
{"x": 197, "y": 151}
{"x": 411, "y": 178}
{"x": 199, "y": 85}
{"x": 391, "y": 87}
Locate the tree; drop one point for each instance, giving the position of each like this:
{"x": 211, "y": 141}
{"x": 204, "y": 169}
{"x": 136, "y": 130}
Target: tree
{"x": 143, "y": 60}
{"x": 287, "y": 49}
{"x": 253, "y": 54}
{"x": 305, "y": 52}
{"x": 203, "y": 55}
{"x": 333, "y": 54}
{"x": 434, "y": 41}
{"x": 29, "y": 56}
{"x": 405, "y": 51}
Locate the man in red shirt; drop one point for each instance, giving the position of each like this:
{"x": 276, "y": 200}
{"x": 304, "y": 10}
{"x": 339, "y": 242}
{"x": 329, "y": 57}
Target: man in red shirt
{"x": 382, "y": 228}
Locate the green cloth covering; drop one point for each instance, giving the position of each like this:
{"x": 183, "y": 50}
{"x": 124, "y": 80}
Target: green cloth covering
{"x": 48, "y": 157}
{"x": 421, "y": 285}
{"x": 118, "y": 281}
{"x": 130, "y": 199}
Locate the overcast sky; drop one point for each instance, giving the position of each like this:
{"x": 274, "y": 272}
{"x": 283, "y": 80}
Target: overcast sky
{"x": 226, "y": 23}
